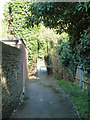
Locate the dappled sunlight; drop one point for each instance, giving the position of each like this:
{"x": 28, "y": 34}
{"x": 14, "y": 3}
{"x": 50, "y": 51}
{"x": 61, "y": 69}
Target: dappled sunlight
{"x": 41, "y": 65}
{"x": 56, "y": 36}
{"x": 4, "y": 84}
{"x": 34, "y": 77}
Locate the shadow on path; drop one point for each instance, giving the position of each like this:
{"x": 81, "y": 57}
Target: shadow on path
{"x": 46, "y": 100}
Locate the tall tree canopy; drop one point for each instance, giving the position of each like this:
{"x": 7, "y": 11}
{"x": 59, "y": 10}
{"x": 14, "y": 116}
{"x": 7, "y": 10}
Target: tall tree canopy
{"x": 69, "y": 17}
{"x": 73, "y": 18}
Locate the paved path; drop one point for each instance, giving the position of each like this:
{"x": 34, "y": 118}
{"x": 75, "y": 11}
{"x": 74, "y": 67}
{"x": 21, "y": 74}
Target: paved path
{"x": 45, "y": 100}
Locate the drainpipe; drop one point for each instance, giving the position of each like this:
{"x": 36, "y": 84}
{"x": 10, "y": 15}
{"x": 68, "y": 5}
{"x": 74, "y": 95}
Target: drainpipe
{"x": 23, "y": 78}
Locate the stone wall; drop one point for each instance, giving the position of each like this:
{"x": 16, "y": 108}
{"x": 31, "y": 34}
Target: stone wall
{"x": 12, "y": 77}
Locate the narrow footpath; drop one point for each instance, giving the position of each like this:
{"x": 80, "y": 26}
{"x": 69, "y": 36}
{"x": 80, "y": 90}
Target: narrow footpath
{"x": 45, "y": 98}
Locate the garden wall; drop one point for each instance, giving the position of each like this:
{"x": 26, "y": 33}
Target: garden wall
{"x": 0, "y": 81}
{"x": 14, "y": 76}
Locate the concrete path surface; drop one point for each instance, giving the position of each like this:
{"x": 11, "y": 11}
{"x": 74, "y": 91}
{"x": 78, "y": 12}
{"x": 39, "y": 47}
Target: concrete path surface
{"x": 45, "y": 99}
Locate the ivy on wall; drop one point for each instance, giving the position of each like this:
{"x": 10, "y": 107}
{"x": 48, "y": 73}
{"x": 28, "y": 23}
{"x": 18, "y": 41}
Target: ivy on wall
{"x": 35, "y": 35}
{"x": 19, "y": 11}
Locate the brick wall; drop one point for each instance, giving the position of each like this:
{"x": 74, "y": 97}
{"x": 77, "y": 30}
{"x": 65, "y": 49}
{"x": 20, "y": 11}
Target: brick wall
{"x": 24, "y": 66}
{"x": 12, "y": 76}
{"x": 0, "y": 81}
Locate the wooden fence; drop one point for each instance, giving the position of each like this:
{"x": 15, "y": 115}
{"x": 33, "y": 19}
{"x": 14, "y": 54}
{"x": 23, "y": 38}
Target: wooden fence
{"x": 81, "y": 79}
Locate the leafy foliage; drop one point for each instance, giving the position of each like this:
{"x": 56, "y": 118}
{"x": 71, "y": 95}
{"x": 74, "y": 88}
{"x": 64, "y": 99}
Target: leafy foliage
{"x": 77, "y": 56}
{"x": 19, "y": 11}
{"x": 72, "y": 18}
{"x": 34, "y": 37}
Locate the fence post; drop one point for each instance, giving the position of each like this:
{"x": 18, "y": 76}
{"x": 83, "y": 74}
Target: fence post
{"x": 80, "y": 78}
{"x": 64, "y": 74}
{"x": 77, "y": 75}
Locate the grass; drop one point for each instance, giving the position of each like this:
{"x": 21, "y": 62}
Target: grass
{"x": 79, "y": 96}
